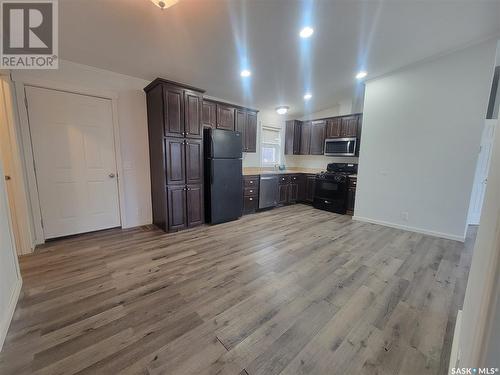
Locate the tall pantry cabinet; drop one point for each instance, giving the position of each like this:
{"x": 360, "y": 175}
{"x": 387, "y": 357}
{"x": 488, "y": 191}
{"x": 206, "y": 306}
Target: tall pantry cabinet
{"x": 176, "y": 154}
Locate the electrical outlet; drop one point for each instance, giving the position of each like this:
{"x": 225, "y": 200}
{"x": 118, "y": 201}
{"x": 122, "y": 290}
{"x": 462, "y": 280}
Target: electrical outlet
{"x": 404, "y": 215}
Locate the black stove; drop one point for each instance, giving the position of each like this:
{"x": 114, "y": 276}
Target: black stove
{"x": 330, "y": 193}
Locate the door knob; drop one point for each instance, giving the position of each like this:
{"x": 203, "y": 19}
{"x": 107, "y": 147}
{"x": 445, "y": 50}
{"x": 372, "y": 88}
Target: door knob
{"x": 111, "y": 175}
{"x": 7, "y": 178}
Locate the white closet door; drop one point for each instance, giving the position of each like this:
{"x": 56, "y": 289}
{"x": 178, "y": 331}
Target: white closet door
{"x": 73, "y": 148}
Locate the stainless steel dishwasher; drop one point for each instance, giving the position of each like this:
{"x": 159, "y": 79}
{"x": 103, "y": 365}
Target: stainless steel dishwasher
{"x": 269, "y": 191}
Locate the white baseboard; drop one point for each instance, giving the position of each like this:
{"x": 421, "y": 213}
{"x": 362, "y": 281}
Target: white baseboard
{"x": 455, "y": 355}
{"x": 11, "y": 308}
{"x": 411, "y": 229}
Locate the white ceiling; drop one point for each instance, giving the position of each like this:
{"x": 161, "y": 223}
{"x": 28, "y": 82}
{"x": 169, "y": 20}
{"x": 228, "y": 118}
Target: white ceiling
{"x": 199, "y": 42}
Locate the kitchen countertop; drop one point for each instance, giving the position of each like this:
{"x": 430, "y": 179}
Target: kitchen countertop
{"x": 258, "y": 171}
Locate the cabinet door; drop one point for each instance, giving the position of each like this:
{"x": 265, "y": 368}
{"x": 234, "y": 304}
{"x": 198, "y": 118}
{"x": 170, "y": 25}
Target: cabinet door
{"x": 225, "y": 117}
{"x": 194, "y": 204}
{"x": 317, "y": 138}
{"x": 333, "y": 127}
{"x": 305, "y": 138}
{"x": 240, "y": 126}
{"x": 194, "y": 161}
{"x": 251, "y": 132}
{"x": 175, "y": 161}
{"x": 292, "y": 137}
{"x": 283, "y": 194}
{"x": 209, "y": 114}
{"x": 193, "y": 103}
{"x": 310, "y": 186}
{"x": 173, "y": 111}
{"x": 351, "y": 196}
{"x": 176, "y": 202}
{"x": 293, "y": 193}
{"x": 350, "y": 126}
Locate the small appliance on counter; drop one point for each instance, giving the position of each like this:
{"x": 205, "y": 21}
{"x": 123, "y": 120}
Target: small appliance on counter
{"x": 223, "y": 175}
{"x": 330, "y": 193}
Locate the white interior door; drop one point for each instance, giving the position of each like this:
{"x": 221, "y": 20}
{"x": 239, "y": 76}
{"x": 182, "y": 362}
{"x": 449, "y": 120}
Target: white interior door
{"x": 481, "y": 176}
{"x": 75, "y": 164}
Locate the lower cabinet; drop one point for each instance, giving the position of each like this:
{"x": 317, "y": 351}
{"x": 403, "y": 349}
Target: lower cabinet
{"x": 288, "y": 189}
{"x": 310, "y": 185}
{"x": 250, "y": 194}
{"x": 351, "y": 195}
{"x": 185, "y": 206}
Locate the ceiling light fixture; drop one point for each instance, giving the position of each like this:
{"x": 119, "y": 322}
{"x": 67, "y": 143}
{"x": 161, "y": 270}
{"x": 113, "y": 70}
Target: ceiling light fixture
{"x": 245, "y": 73}
{"x": 308, "y": 96}
{"x": 306, "y": 32}
{"x": 282, "y": 109}
{"x": 361, "y": 75}
{"x": 164, "y": 4}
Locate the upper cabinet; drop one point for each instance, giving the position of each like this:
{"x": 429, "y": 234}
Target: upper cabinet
{"x": 305, "y": 138}
{"x": 225, "y": 117}
{"x": 308, "y": 137}
{"x": 209, "y": 114}
{"x": 231, "y": 117}
{"x": 349, "y": 126}
{"x": 173, "y": 111}
{"x": 292, "y": 137}
{"x": 317, "y": 143}
{"x": 333, "y": 127}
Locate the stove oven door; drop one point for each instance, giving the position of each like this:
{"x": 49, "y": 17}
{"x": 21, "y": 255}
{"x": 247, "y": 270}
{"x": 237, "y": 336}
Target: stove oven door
{"x": 331, "y": 194}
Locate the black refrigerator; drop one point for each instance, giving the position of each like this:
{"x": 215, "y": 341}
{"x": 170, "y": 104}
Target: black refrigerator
{"x": 223, "y": 175}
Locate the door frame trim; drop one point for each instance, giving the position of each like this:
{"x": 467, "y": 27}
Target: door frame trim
{"x": 28, "y": 146}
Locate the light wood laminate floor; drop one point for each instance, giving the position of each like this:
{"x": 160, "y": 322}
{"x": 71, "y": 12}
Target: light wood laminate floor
{"x": 293, "y": 290}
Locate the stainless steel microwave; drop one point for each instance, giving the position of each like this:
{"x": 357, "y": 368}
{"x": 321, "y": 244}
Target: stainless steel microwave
{"x": 340, "y": 146}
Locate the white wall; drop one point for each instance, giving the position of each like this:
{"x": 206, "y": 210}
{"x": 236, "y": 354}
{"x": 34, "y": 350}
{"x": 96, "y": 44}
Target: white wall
{"x": 421, "y": 133}
{"x": 132, "y": 120}
{"x": 483, "y": 286}
{"x": 10, "y": 279}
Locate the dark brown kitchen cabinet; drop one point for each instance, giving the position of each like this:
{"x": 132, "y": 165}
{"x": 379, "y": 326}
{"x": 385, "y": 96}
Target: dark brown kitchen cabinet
{"x": 194, "y": 161}
{"x": 175, "y": 161}
{"x": 349, "y": 126}
{"x": 209, "y": 114}
{"x": 193, "y": 102}
{"x": 351, "y": 194}
{"x": 225, "y": 117}
{"x": 251, "y": 132}
{"x": 283, "y": 194}
{"x": 334, "y": 127}
{"x": 176, "y": 153}
{"x": 292, "y": 137}
{"x": 293, "y": 192}
{"x": 176, "y": 203}
{"x": 194, "y": 205}
{"x": 310, "y": 187}
{"x": 250, "y": 194}
{"x": 317, "y": 143}
{"x": 173, "y": 111}
{"x": 246, "y": 124}
{"x": 305, "y": 138}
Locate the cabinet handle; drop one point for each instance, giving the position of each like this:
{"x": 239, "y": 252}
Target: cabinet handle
{"x": 251, "y": 191}
{"x": 250, "y": 199}
{"x": 251, "y": 182}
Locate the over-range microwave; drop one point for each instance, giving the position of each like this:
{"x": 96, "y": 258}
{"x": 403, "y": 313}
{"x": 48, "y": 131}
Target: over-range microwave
{"x": 340, "y": 146}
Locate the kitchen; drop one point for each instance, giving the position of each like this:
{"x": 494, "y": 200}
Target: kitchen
{"x": 192, "y": 142}
{"x": 251, "y": 187}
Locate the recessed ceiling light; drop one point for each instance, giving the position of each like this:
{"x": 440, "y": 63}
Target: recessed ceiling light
{"x": 307, "y": 96}
{"x": 361, "y": 75}
{"x": 306, "y": 32}
{"x": 245, "y": 73}
{"x": 282, "y": 110}
{"x": 163, "y": 4}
